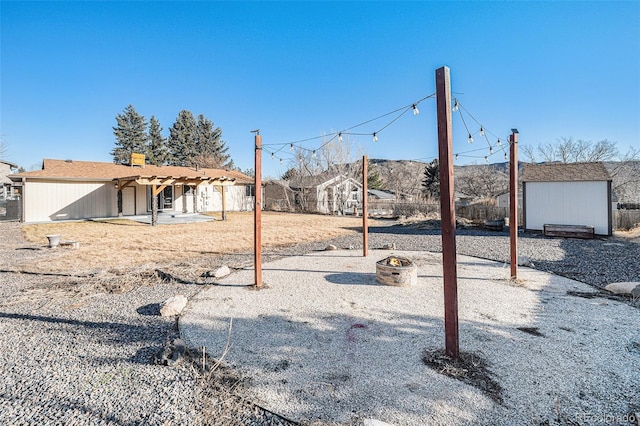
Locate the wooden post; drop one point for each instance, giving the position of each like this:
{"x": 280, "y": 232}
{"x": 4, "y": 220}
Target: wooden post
{"x": 365, "y": 207}
{"x": 447, "y": 210}
{"x": 195, "y": 199}
{"x": 224, "y": 202}
{"x": 513, "y": 201}
{"x": 257, "y": 231}
{"x": 154, "y": 205}
{"x": 120, "y": 208}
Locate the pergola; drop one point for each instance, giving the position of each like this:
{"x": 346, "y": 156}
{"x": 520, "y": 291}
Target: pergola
{"x": 159, "y": 183}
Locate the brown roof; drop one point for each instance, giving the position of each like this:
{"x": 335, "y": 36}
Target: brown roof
{"x": 565, "y": 172}
{"x": 93, "y": 170}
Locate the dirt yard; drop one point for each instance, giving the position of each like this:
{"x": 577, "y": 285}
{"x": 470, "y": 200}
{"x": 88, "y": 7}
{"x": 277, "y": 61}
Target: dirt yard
{"x": 123, "y": 243}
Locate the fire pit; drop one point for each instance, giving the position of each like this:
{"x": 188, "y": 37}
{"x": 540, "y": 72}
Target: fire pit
{"x": 396, "y": 271}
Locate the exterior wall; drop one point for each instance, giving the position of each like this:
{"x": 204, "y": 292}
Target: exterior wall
{"x": 63, "y": 200}
{"x": 567, "y": 203}
{"x": 210, "y": 199}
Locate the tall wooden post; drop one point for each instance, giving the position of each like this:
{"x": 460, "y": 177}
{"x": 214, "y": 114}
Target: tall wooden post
{"x": 513, "y": 201}
{"x": 154, "y": 205}
{"x": 447, "y": 211}
{"x": 195, "y": 199}
{"x": 365, "y": 208}
{"x": 224, "y": 202}
{"x": 257, "y": 211}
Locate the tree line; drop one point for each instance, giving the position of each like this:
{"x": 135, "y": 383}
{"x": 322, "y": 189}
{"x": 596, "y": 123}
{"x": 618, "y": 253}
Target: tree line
{"x": 192, "y": 141}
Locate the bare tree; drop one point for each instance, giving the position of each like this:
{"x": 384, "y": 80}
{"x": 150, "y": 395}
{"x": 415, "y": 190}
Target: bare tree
{"x": 481, "y": 181}
{"x": 3, "y": 150}
{"x": 568, "y": 150}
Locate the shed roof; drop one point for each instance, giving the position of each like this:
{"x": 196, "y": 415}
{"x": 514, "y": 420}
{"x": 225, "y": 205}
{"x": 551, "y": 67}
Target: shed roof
{"x": 93, "y": 170}
{"x": 565, "y": 172}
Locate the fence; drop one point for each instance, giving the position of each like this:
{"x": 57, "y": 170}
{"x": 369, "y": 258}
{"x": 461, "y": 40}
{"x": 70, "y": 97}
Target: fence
{"x": 10, "y": 209}
{"x": 625, "y": 219}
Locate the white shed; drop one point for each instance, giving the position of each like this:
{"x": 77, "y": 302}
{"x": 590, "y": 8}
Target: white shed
{"x": 567, "y": 194}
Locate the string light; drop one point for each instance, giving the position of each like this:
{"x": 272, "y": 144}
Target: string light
{"x": 281, "y": 161}
{"x": 499, "y": 142}
{"x": 457, "y": 156}
{"x": 486, "y": 159}
{"x": 481, "y": 131}
{"x": 291, "y": 147}
{"x": 490, "y": 150}
{"x": 375, "y": 136}
{"x": 416, "y": 111}
{"x": 470, "y": 138}
{"x": 273, "y": 155}
{"x": 313, "y": 154}
{"x": 505, "y": 156}
{"x": 455, "y": 105}
{"x": 340, "y": 136}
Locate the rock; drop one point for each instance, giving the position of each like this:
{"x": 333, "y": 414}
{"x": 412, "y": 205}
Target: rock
{"x": 222, "y": 271}
{"x": 331, "y": 247}
{"x": 629, "y": 287}
{"x": 525, "y": 261}
{"x": 173, "y": 305}
{"x": 389, "y": 246}
{"x": 171, "y": 353}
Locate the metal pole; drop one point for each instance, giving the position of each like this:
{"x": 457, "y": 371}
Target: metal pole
{"x": 447, "y": 209}
{"x": 365, "y": 207}
{"x": 513, "y": 201}
{"x": 257, "y": 212}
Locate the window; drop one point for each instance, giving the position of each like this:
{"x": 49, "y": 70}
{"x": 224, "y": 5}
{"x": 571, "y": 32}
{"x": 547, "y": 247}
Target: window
{"x": 250, "y": 190}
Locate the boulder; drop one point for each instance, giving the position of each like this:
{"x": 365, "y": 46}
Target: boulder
{"x": 331, "y": 247}
{"x": 629, "y": 287}
{"x": 222, "y": 271}
{"x": 173, "y": 305}
{"x": 525, "y": 261}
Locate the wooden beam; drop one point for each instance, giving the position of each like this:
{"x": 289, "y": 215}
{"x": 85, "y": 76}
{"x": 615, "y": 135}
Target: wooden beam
{"x": 224, "y": 201}
{"x": 513, "y": 202}
{"x": 448, "y": 213}
{"x": 158, "y": 189}
{"x": 365, "y": 207}
{"x": 257, "y": 230}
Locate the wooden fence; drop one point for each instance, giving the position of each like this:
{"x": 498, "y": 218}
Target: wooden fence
{"x": 625, "y": 219}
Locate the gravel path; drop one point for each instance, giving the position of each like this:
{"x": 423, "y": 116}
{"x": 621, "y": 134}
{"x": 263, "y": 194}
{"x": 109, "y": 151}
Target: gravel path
{"x": 73, "y": 353}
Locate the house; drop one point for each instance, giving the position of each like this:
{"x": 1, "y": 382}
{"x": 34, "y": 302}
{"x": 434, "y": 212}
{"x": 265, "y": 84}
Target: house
{"x": 67, "y": 189}
{"x": 327, "y": 194}
{"x": 376, "y": 195}
{"x": 6, "y": 186}
{"x": 567, "y": 194}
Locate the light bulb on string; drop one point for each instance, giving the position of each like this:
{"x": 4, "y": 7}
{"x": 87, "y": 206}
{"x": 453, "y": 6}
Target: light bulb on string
{"x": 313, "y": 154}
{"x": 291, "y": 147}
{"x": 499, "y": 142}
{"x": 490, "y": 150}
{"x": 486, "y": 159}
{"x": 340, "y": 136}
{"x": 455, "y": 105}
{"x": 281, "y": 161}
{"x": 272, "y": 155}
{"x": 375, "y": 137}
{"x": 481, "y": 131}
{"x": 470, "y": 138}
{"x": 457, "y": 155}
{"x": 505, "y": 155}
{"x": 416, "y": 111}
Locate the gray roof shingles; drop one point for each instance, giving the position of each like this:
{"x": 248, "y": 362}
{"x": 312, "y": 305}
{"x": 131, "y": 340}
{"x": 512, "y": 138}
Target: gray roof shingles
{"x": 565, "y": 172}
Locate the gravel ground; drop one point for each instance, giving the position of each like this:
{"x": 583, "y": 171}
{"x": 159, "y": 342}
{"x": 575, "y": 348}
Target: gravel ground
{"x": 74, "y": 353}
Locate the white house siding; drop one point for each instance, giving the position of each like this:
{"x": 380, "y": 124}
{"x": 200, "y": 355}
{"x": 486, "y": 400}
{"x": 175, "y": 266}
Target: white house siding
{"x": 65, "y": 200}
{"x": 210, "y": 198}
{"x": 567, "y": 203}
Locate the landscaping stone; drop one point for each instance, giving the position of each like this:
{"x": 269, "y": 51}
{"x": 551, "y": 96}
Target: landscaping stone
{"x": 331, "y": 247}
{"x": 222, "y": 271}
{"x": 374, "y": 422}
{"x": 629, "y": 287}
{"x": 173, "y": 305}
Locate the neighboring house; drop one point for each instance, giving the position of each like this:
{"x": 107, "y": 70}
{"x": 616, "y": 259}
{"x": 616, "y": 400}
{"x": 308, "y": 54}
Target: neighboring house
{"x": 66, "y": 189}
{"x": 567, "y": 194}
{"x": 6, "y": 190}
{"x": 376, "y": 195}
{"x": 327, "y": 194}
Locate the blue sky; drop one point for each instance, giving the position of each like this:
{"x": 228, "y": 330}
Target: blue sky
{"x": 297, "y": 70}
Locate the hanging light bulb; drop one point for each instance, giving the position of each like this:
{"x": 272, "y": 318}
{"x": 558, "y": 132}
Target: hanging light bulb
{"x": 499, "y": 142}
{"x": 455, "y": 105}
{"x": 281, "y": 161}
{"x": 505, "y": 155}
{"x": 313, "y": 154}
{"x": 470, "y": 138}
{"x": 486, "y": 159}
{"x": 340, "y": 136}
{"x": 272, "y": 155}
{"x": 457, "y": 156}
{"x": 291, "y": 147}
{"x": 416, "y": 111}
{"x": 481, "y": 131}
{"x": 375, "y": 137}
{"x": 490, "y": 150}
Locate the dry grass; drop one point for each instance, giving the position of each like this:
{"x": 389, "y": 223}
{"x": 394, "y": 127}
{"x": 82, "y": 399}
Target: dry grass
{"x": 123, "y": 243}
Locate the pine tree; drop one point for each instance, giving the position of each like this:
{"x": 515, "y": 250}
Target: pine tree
{"x": 431, "y": 181}
{"x": 182, "y": 140}
{"x": 373, "y": 179}
{"x": 131, "y": 135}
{"x": 157, "y": 148}
{"x": 212, "y": 151}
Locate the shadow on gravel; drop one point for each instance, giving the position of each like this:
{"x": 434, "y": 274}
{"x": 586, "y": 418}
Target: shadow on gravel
{"x": 150, "y": 310}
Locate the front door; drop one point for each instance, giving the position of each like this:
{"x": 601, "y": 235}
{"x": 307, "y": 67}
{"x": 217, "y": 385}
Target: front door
{"x": 165, "y": 198}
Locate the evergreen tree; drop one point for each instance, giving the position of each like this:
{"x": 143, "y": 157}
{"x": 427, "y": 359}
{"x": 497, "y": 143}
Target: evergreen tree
{"x": 131, "y": 135}
{"x": 431, "y": 181}
{"x": 182, "y": 140}
{"x": 211, "y": 149}
{"x": 157, "y": 148}
{"x": 373, "y": 179}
